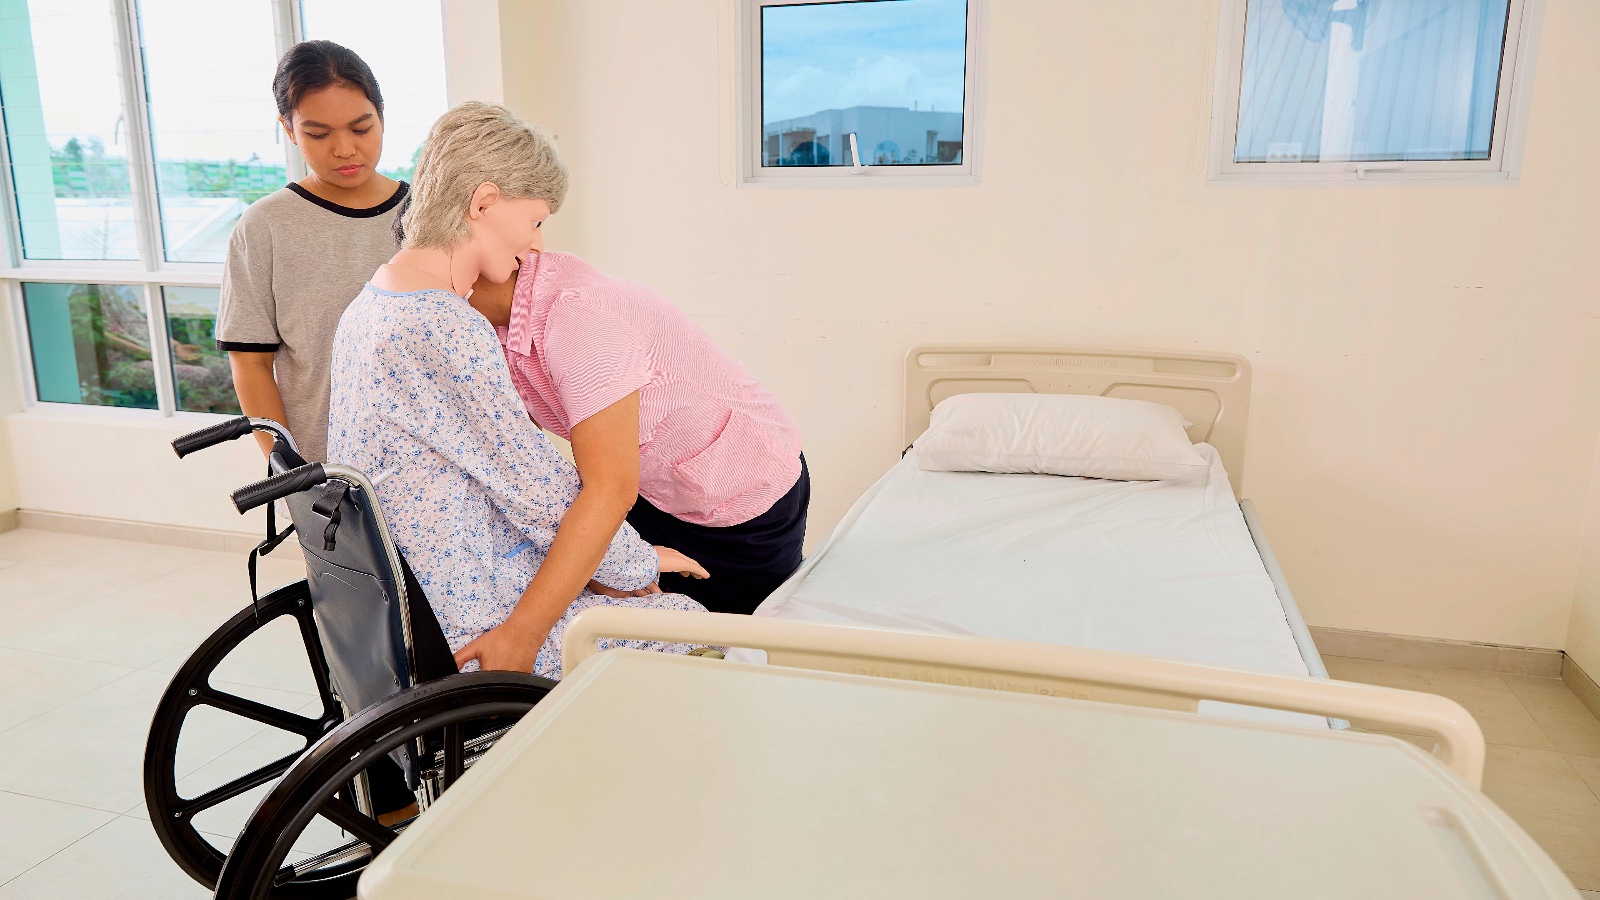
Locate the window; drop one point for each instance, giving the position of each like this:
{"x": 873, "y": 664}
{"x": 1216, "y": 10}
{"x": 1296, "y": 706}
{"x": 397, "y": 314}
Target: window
{"x": 881, "y": 88}
{"x": 411, "y": 72}
{"x": 1356, "y": 89}
{"x": 91, "y": 344}
{"x": 136, "y": 133}
{"x": 200, "y": 372}
{"x": 66, "y": 132}
{"x": 213, "y": 122}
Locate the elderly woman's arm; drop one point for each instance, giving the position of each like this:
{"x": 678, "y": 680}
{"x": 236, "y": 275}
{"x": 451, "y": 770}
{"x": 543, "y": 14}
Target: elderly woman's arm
{"x": 582, "y": 544}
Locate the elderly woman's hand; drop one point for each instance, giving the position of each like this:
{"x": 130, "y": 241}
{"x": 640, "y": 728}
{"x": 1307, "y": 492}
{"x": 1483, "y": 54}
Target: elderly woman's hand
{"x": 513, "y": 646}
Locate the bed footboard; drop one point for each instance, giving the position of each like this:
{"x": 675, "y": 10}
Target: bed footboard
{"x": 1034, "y": 668}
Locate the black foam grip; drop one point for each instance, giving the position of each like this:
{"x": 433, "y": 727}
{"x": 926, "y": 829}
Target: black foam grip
{"x": 291, "y": 482}
{"x": 220, "y": 433}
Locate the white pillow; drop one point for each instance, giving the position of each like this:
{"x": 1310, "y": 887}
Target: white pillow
{"x": 1059, "y": 434}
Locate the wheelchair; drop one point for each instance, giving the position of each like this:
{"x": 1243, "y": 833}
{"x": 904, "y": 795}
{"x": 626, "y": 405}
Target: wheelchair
{"x": 395, "y": 724}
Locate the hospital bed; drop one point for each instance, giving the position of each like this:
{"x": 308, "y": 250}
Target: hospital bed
{"x": 874, "y": 763}
{"x": 1180, "y": 570}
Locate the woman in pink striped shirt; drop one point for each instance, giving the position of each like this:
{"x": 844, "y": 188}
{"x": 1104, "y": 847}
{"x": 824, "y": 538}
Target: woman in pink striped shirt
{"x": 668, "y": 431}
{"x": 666, "y": 427}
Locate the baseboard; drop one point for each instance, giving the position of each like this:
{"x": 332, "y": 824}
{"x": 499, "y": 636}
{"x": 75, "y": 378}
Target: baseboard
{"x": 1581, "y": 684}
{"x": 9, "y": 521}
{"x": 146, "y": 532}
{"x": 1422, "y": 651}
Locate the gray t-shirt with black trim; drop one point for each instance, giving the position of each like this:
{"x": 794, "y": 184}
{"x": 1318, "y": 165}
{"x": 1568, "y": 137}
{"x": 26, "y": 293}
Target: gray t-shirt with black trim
{"x": 294, "y": 263}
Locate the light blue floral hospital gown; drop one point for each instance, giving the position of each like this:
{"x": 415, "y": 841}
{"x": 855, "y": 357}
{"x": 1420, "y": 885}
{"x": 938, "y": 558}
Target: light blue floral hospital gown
{"x": 472, "y": 490}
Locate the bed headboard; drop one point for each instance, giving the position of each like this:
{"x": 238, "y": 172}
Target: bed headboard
{"x": 1212, "y": 390}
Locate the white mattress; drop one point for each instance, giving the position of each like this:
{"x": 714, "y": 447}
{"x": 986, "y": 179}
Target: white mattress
{"x": 1163, "y": 569}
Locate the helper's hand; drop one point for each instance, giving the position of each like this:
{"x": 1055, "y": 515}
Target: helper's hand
{"x": 512, "y": 647}
{"x": 646, "y": 591}
{"x": 673, "y": 561}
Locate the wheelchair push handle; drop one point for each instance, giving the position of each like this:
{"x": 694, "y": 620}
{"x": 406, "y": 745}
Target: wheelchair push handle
{"x": 210, "y": 436}
{"x": 278, "y": 486}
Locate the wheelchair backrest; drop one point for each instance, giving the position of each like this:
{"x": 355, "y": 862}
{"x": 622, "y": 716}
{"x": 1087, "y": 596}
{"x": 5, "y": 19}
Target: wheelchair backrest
{"x": 377, "y": 631}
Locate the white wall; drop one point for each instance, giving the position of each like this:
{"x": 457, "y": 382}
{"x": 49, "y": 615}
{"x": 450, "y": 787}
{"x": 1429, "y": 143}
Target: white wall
{"x": 1583, "y": 630}
{"x": 1425, "y": 357}
{"x": 112, "y": 466}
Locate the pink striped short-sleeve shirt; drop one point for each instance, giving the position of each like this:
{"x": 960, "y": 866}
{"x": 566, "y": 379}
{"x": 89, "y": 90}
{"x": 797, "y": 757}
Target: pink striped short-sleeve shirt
{"x": 715, "y": 447}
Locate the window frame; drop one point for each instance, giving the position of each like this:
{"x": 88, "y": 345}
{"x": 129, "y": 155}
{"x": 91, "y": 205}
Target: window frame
{"x": 152, "y": 271}
{"x": 1504, "y": 165}
{"x": 749, "y": 123}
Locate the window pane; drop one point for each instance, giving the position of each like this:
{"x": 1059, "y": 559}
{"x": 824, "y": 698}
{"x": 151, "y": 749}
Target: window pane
{"x": 90, "y": 343}
{"x": 1359, "y": 80}
{"x": 208, "y": 76}
{"x": 403, "y": 42}
{"x": 65, "y": 130}
{"x": 893, "y": 72}
{"x": 199, "y": 369}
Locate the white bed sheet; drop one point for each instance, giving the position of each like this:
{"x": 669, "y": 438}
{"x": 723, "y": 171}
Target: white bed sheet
{"x": 1164, "y": 569}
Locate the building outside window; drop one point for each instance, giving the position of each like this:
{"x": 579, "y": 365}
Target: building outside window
{"x": 843, "y": 88}
{"x": 134, "y": 139}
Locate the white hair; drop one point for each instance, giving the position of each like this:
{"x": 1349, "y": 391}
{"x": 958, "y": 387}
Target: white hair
{"x": 472, "y": 144}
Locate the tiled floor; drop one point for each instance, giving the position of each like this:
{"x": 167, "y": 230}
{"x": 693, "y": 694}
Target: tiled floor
{"x": 1544, "y": 752}
{"x": 91, "y": 629}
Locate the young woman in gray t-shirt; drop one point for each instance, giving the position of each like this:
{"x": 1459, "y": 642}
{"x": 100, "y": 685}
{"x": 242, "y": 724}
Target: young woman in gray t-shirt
{"x": 300, "y": 255}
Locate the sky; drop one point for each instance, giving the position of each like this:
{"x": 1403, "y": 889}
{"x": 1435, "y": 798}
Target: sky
{"x": 209, "y": 66}
{"x": 901, "y": 53}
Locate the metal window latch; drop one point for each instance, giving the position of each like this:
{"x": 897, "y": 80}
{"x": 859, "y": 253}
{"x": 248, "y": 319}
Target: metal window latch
{"x": 1361, "y": 169}
{"x": 856, "y": 168}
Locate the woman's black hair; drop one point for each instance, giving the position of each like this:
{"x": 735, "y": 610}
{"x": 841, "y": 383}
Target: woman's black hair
{"x": 313, "y": 65}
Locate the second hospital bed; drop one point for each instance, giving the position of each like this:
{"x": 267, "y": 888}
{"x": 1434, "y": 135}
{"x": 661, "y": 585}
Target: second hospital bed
{"x": 1179, "y": 570}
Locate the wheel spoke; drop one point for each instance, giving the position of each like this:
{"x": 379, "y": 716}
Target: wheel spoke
{"x": 237, "y": 786}
{"x": 454, "y": 753}
{"x": 357, "y": 823}
{"x": 260, "y": 712}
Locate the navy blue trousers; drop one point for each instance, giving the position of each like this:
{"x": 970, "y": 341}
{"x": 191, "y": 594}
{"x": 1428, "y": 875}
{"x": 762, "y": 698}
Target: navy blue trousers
{"x": 746, "y": 561}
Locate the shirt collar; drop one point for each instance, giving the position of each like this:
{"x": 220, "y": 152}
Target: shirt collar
{"x": 519, "y": 334}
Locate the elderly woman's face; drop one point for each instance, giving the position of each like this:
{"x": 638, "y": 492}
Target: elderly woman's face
{"x": 506, "y": 230}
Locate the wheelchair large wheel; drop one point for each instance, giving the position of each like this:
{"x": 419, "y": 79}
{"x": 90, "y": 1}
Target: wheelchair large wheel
{"x": 172, "y": 814}
{"x": 450, "y": 714}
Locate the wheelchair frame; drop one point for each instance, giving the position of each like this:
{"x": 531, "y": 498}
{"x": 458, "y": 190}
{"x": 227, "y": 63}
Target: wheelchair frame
{"x": 376, "y": 707}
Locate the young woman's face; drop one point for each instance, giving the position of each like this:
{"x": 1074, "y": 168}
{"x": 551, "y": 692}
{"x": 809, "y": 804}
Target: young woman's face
{"x": 339, "y": 133}
{"x": 506, "y": 230}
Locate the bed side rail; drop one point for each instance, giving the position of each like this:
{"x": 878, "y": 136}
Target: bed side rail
{"x": 1034, "y": 668}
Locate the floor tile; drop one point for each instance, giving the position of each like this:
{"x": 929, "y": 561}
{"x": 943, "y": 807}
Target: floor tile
{"x": 274, "y": 657}
{"x": 33, "y": 830}
{"x": 1545, "y": 795}
{"x": 131, "y": 625}
{"x": 34, "y": 544}
{"x": 90, "y": 751}
{"x": 1502, "y": 717}
{"x": 32, "y": 592}
{"x": 124, "y": 559}
{"x": 227, "y": 819}
{"x": 1558, "y": 711}
{"x": 122, "y": 860}
{"x": 32, "y": 683}
{"x": 229, "y": 570}
{"x": 1588, "y": 768}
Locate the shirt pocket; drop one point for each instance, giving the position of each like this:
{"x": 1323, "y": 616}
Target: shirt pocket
{"x": 725, "y": 469}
